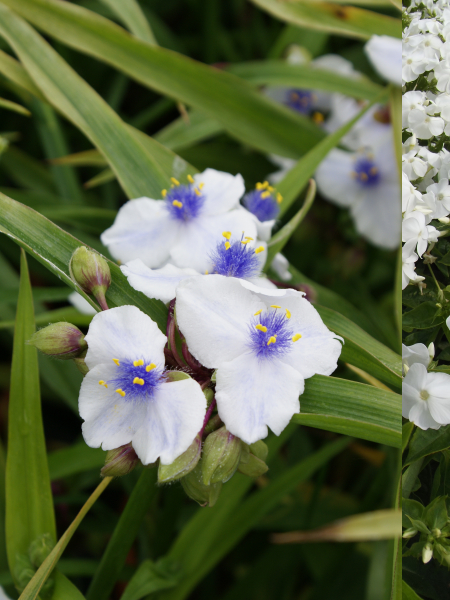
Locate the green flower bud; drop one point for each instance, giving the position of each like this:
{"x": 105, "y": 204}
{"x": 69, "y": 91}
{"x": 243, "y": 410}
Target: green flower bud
{"x": 260, "y": 450}
{"x": 195, "y": 488}
{"x": 183, "y": 465}
{"x": 120, "y": 461}
{"x": 23, "y": 571}
{"x": 81, "y": 365}
{"x": 209, "y": 395}
{"x": 91, "y": 271}
{"x": 40, "y": 548}
{"x": 409, "y": 533}
{"x": 436, "y": 533}
{"x": 253, "y": 466}
{"x": 427, "y": 553}
{"x": 60, "y": 340}
{"x": 221, "y": 455}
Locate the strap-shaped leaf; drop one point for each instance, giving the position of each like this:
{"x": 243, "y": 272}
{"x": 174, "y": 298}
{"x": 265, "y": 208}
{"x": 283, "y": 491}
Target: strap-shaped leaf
{"x": 54, "y": 247}
{"x": 131, "y": 15}
{"x": 75, "y": 459}
{"x": 29, "y": 503}
{"x": 244, "y": 113}
{"x": 14, "y": 107}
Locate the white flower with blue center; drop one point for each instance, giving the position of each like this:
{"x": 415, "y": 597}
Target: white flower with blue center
{"x": 183, "y": 228}
{"x": 367, "y": 183}
{"x": 127, "y": 396}
{"x": 264, "y": 203}
{"x": 263, "y": 343}
{"x": 238, "y": 258}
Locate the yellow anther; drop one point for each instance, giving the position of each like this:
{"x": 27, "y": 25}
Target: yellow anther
{"x": 177, "y": 203}
{"x": 373, "y": 171}
{"x": 270, "y": 188}
{"x": 262, "y": 328}
{"x": 206, "y": 272}
{"x": 227, "y": 245}
{"x": 116, "y": 360}
{"x": 138, "y": 363}
{"x": 245, "y": 242}
{"x": 120, "y": 392}
{"x": 226, "y": 234}
{"x": 201, "y": 185}
{"x": 190, "y": 179}
{"x": 259, "y": 186}
{"x": 275, "y": 306}
{"x": 364, "y": 177}
{"x": 259, "y": 249}
{"x": 174, "y": 181}
{"x": 354, "y": 175}
{"x": 266, "y": 184}
{"x": 247, "y": 237}
{"x": 258, "y": 313}
{"x": 197, "y": 192}
{"x": 101, "y": 382}
{"x": 271, "y": 340}
{"x": 318, "y": 117}
{"x": 279, "y": 198}
{"x": 265, "y": 195}
{"x": 163, "y": 193}
{"x": 138, "y": 381}
{"x": 288, "y": 313}
{"x": 150, "y": 367}
{"x": 296, "y": 337}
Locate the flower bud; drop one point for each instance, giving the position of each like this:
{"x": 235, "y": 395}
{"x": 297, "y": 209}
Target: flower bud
{"x": 60, "y": 340}
{"x": 40, "y": 548}
{"x": 81, "y": 365}
{"x": 259, "y": 449}
{"x": 195, "y": 488}
{"x": 427, "y": 553}
{"x": 23, "y": 571}
{"x": 436, "y": 533}
{"x": 91, "y": 271}
{"x": 221, "y": 455}
{"x": 253, "y": 466}
{"x": 120, "y": 461}
{"x": 409, "y": 533}
{"x": 431, "y": 351}
{"x": 182, "y": 465}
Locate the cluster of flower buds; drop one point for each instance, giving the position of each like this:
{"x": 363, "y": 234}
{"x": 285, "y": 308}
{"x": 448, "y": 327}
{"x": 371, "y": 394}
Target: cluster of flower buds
{"x": 433, "y": 525}
{"x": 26, "y": 565}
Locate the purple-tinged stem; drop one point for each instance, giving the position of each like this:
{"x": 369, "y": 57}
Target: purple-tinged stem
{"x": 173, "y": 345}
{"x": 209, "y": 412}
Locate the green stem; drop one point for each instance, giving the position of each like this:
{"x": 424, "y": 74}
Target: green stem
{"x": 440, "y": 293}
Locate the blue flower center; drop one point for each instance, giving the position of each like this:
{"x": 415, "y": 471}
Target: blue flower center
{"x": 300, "y": 100}
{"x": 235, "y": 259}
{"x": 271, "y": 334}
{"x": 262, "y": 202}
{"x": 184, "y": 202}
{"x": 135, "y": 380}
{"x": 366, "y": 172}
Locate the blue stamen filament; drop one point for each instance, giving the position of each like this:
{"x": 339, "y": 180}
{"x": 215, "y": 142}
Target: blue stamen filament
{"x": 184, "y": 202}
{"x": 271, "y": 334}
{"x": 300, "y": 100}
{"x": 235, "y": 259}
{"x": 365, "y": 172}
{"x": 263, "y": 202}
{"x": 135, "y": 380}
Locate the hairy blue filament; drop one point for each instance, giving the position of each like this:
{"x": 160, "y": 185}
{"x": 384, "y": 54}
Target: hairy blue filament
{"x": 127, "y": 372}
{"x": 300, "y": 100}
{"x": 239, "y": 260}
{"x": 265, "y": 208}
{"x": 191, "y": 202}
{"x": 277, "y": 326}
{"x": 366, "y": 172}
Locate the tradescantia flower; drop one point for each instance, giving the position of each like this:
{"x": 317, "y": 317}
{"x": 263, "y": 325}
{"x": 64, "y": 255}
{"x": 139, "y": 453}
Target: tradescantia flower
{"x": 264, "y": 344}
{"x": 426, "y": 397}
{"x": 183, "y": 228}
{"x": 127, "y": 396}
{"x": 230, "y": 258}
{"x": 264, "y": 202}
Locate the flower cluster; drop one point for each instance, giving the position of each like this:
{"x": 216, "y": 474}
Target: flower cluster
{"x": 236, "y": 351}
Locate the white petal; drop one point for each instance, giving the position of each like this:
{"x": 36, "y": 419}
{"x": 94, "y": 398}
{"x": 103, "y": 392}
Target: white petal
{"x": 81, "y": 304}
{"x": 199, "y": 238}
{"x": 385, "y": 53}
{"x": 334, "y": 179}
{"x": 173, "y": 419}
{"x": 143, "y": 229}
{"x": 417, "y": 353}
{"x": 156, "y": 283}
{"x": 280, "y": 265}
{"x": 420, "y": 416}
{"x": 110, "y": 419}
{"x": 214, "y": 313}
{"x": 255, "y": 394}
{"x": 265, "y": 229}
{"x": 124, "y": 333}
{"x": 262, "y": 282}
{"x": 221, "y": 190}
{"x": 410, "y": 397}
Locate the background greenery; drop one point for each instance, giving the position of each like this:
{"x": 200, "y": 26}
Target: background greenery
{"x": 316, "y": 475}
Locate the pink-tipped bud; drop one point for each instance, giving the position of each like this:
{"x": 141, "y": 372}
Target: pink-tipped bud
{"x": 120, "y": 461}
{"x": 91, "y": 271}
{"x": 59, "y": 340}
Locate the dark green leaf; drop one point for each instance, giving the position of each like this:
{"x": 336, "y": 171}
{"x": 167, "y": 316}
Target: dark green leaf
{"x": 423, "y": 443}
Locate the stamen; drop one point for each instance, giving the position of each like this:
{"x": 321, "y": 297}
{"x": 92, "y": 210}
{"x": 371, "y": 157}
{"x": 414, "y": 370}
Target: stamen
{"x": 116, "y": 360}
{"x": 354, "y": 175}
{"x": 262, "y": 328}
{"x": 296, "y": 337}
{"x": 200, "y": 186}
{"x": 279, "y": 198}
{"x": 265, "y": 194}
{"x": 247, "y": 237}
{"x": 318, "y": 118}
{"x": 177, "y": 203}
{"x": 245, "y": 242}
{"x": 227, "y": 245}
{"x": 163, "y": 193}
{"x": 364, "y": 176}
{"x": 120, "y": 392}
{"x": 275, "y": 306}
{"x": 259, "y": 186}
{"x": 101, "y": 382}
{"x": 138, "y": 363}
{"x": 258, "y": 313}
{"x": 373, "y": 171}
{"x": 190, "y": 178}
{"x": 259, "y": 249}
{"x": 138, "y": 381}
{"x": 150, "y": 367}
{"x": 288, "y": 313}
{"x": 174, "y": 181}
{"x": 271, "y": 340}
{"x": 226, "y": 234}
{"x": 197, "y": 192}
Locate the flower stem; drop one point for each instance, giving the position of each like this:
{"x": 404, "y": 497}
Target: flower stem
{"x": 440, "y": 292}
{"x": 209, "y": 412}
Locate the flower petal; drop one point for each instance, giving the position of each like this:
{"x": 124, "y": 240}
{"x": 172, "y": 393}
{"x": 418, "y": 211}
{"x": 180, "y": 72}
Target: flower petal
{"x": 221, "y": 190}
{"x": 173, "y": 419}
{"x": 254, "y": 394}
{"x": 143, "y": 229}
{"x": 213, "y": 313}
{"x": 156, "y": 283}
{"x": 334, "y": 179}
{"x": 124, "y": 333}
{"x": 420, "y": 416}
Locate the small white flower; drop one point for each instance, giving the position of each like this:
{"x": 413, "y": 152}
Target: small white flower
{"x": 410, "y": 195}
{"x": 127, "y": 397}
{"x": 417, "y": 353}
{"x": 441, "y": 192}
{"x": 409, "y": 258}
{"x": 415, "y": 228}
{"x": 424, "y": 125}
{"x": 412, "y": 101}
{"x": 263, "y": 347}
{"x": 426, "y": 397}
{"x": 442, "y": 74}
{"x": 413, "y": 166}
{"x": 184, "y": 227}
{"x": 385, "y": 53}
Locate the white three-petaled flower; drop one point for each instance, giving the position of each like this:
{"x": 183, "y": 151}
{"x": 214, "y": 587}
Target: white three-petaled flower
{"x": 263, "y": 343}
{"x": 426, "y": 397}
{"x": 127, "y": 396}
